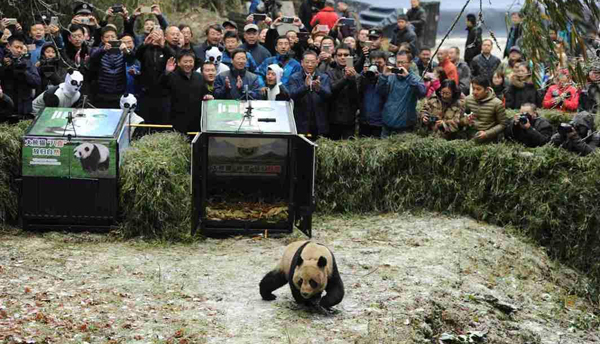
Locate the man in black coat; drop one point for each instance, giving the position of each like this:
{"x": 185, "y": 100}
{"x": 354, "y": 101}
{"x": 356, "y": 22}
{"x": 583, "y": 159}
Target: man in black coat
{"x": 589, "y": 100}
{"x": 342, "y": 111}
{"x": 527, "y": 128}
{"x": 417, "y": 17}
{"x": 187, "y": 91}
{"x": 311, "y": 91}
{"x": 578, "y": 136}
{"x": 404, "y": 34}
{"x": 485, "y": 64}
{"x": 214, "y": 37}
{"x": 18, "y": 76}
{"x": 474, "y": 41}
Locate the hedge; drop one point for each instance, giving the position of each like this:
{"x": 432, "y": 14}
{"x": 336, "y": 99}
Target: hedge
{"x": 549, "y": 194}
{"x": 10, "y": 168}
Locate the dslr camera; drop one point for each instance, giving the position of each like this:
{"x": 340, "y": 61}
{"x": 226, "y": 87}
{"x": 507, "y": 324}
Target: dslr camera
{"x": 372, "y": 72}
{"x": 565, "y": 128}
{"x": 524, "y": 118}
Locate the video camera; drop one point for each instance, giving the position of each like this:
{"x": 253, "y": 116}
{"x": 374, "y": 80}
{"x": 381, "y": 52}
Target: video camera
{"x": 19, "y": 62}
{"x": 372, "y": 71}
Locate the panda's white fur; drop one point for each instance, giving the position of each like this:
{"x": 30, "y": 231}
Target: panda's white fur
{"x": 93, "y": 156}
{"x": 217, "y": 56}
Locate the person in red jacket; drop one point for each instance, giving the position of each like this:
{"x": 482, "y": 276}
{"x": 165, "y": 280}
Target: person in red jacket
{"x": 447, "y": 65}
{"x": 563, "y": 96}
{"x": 326, "y": 16}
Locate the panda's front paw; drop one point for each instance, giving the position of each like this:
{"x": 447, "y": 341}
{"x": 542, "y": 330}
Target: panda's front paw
{"x": 269, "y": 297}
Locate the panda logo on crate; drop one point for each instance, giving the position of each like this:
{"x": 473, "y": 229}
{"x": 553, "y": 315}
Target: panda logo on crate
{"x": 93, "y": 156}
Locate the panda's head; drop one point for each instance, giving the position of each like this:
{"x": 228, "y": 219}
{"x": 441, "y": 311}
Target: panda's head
{"x": 214, "y": 55}
{"x": 310, "y": 276}
{"x": 83, "y": 151}
{"x": 128, "y": 102}
{"x": 73, "y": 82}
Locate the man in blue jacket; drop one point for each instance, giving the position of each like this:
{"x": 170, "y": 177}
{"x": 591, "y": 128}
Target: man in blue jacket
{"x": 233, "y": 83}
{"x": 371, "y": 103}
{"x": 311, "y": 91}
{"x": 283, "y": 58}
{"x": 402, "y": 89}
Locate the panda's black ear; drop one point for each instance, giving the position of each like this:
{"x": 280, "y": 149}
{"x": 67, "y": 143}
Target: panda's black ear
{"x": 322, "y": 262}
{"x": 300, "y": 261}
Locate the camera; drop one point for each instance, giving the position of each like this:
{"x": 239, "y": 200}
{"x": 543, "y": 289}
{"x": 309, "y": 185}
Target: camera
{"x": 565, "y": 128}
{"x": 524, "y": 118}
{"x": 117, "y": 8}
{"x": 372, "y": 71}
{"x": 287, "y": 20}
{"x": 85, "y": 21}
{"x": 432, "y": 120}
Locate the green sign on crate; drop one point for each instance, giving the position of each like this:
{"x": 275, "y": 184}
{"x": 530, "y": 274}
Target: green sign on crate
{"x": 228, "y": 116}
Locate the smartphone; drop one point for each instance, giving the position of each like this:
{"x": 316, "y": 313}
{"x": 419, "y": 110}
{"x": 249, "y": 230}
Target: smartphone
{"x": 348, "y": 22}
{"x": 117, "y": 8}
{"x": 350, "y": 61}
{"x": 367, "y": 44}
{"x": 287, "y": 20}
{"x": 54, "y": 21}
{"x": 156, "y": 28}
{"x": 323, "y": 28}
{"x": 114, "y": 46}
{"x": 326, "y": 49}
{"x": 85, "y": 21}
{"x": 303, "y": 36}
{"x": 145, "y": 10}
{"x": 11, "y": 21}
{"x": 259, "y": 16}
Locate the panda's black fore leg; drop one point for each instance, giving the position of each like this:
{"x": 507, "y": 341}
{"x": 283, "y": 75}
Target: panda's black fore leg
{"x": 272, "y": 281}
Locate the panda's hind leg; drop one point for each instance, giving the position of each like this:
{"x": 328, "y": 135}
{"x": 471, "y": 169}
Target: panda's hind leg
{"x": 274, "y": 280}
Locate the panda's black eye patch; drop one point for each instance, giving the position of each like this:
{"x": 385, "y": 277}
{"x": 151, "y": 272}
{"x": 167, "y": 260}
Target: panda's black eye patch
{"x": 87, "y": 149}
{"x": 300, "y": 281}
{"x": 313, "y": 284}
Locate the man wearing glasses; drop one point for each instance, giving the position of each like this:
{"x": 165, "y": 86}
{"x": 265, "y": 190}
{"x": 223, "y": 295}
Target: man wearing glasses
{"x": 342, "y": 111}
{"x": 402, "y": 89}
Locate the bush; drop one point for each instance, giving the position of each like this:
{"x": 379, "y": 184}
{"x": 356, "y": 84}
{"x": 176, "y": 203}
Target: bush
{"x": 10, "y": 168}
{"x": 155, "y": 192}
{"x": 549, "y": 194}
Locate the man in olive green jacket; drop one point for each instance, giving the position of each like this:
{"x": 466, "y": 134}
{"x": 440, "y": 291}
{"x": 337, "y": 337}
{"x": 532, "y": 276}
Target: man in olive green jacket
{"x": 487, "y": 116}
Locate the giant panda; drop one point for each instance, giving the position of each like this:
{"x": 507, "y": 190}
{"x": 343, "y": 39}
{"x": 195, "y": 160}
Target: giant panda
{"x": 309, "y": 268}
{"x": 93, "y": 156}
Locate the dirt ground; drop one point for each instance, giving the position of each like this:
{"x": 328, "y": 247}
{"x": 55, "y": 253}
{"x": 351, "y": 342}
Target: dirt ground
{"x": 409, "y": 279}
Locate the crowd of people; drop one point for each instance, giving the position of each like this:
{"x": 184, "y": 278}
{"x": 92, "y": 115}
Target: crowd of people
{"x": 344, "y": 80}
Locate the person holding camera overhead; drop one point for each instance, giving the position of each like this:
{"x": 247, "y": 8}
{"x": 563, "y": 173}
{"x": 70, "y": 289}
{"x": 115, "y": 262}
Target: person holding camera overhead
{"x": 563, "y": 96}
{"x": 108, "y": 63}
{"x": 528, "y": 128}
{"x": 402, "y": 89}
{"x": 577, "y": 136}
{"x": 443, "y": 110}
{"x": 19, "y": 77}
{"x": 371, "y": 102}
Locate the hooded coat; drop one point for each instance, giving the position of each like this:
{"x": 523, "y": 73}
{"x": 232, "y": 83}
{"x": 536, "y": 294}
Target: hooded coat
{"x": 277, "y": 92}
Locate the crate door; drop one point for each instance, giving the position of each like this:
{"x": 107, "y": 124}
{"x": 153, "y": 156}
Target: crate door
{"x": 304, "y": 193}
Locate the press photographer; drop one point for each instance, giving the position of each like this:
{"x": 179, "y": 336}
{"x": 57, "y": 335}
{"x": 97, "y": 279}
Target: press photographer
{"x": 563, "y": 95}
{"x": 18, "y": 75}
{"x": 371, "y": 104}
{"x": 578, "y": 136}
{"x": 51, "y": 68}
{"x": 443, "y": 110}
{"x": 527, "y": 128}
{"x": 590, "y": 95}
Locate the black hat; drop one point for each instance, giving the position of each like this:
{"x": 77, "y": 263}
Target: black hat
{"x": 230, "y": 23}
{"x": 83, "y": 8}
{"x": 375, "y": 33}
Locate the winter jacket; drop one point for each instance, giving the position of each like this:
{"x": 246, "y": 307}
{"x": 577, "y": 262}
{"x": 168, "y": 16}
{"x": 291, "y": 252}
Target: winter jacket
{"x": 537, "y": 135}
{"x": 306, "y": 12}
{"x": 406, "y": 36}
{"x": 153, "y": 60}
{"x": 371, "y": 105}
{"x": 258, "y": 52}
{"x": 484, "y": 66}
{"x": 450, "y": 70}
{"x": 417, "y": 17}
{"x": 250, "y": 63}
{"x": 519, "y": 93}
{"x": 345, "y": 92}
{"x": 310, "y": 107}
{"x": 326, "y": 16}
{"x": 490, "y": 115}
{"x": 570, "y": 92}
{"x": 291, "y": 67}
{"x": 186, "y": 94}
{"x": 589, "y": 98}
{"x": 464, "y": 77}
{"x": 450, "y": 114}
{"x": 249, "y": 79}
{"x": 585, "y": 142}
{"x": 110, "y": 67}
{"x": 473, "y": 44}
{"x": 19, "y": 82}
{"x": 402, "y": 93}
